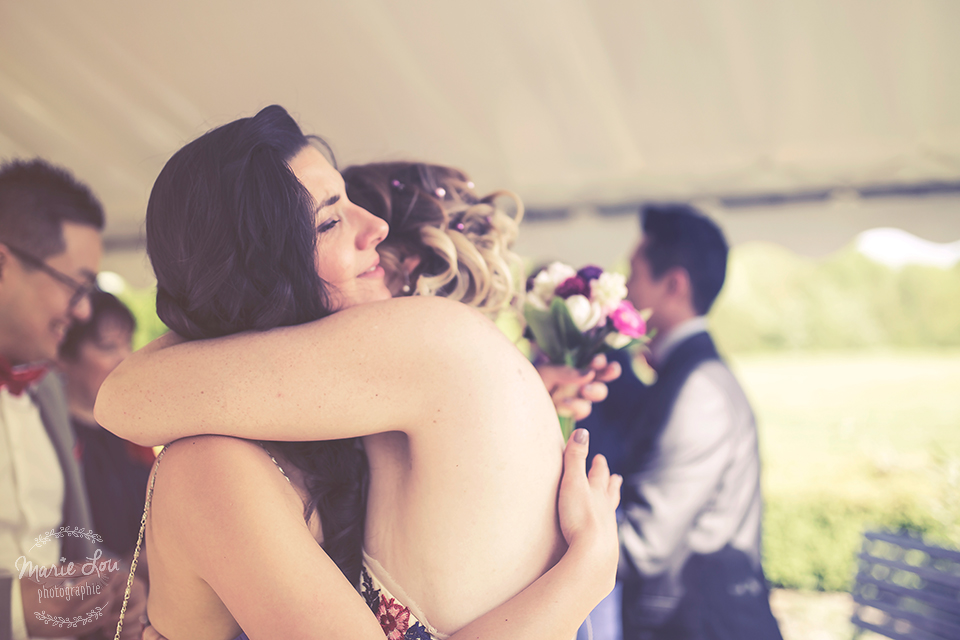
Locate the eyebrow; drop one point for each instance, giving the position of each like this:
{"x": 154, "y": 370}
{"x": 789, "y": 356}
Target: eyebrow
{"x": 329, "y": 201}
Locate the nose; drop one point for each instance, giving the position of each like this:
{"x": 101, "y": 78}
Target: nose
{"x": 375, "y": 230}
{"x": 82, "y": 310}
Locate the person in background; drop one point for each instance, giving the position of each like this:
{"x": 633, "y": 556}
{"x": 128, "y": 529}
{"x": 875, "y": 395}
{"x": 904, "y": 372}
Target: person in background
{"x": 115, "y": 470}
{"x": 49, "y": 256}
{"x": 687, "y": 448}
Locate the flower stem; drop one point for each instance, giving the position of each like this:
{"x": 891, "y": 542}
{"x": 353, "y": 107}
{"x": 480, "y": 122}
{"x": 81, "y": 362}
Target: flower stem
{"x": 567, "y": 425}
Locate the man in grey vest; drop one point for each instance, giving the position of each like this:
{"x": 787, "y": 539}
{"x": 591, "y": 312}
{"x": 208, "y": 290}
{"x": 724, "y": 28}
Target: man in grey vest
{"x": 687, "y": 448}
{"x": 50, "y": 252}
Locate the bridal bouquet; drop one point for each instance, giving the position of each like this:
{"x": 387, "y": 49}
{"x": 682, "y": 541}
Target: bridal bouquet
{"x": 575, "y": 315}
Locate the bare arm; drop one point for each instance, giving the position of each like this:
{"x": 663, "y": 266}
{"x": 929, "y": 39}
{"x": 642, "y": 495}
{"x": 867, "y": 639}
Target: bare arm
{"x": 224, "y": 513}
{"x": 357, "y": 372}
{"x": 293, "y": 590}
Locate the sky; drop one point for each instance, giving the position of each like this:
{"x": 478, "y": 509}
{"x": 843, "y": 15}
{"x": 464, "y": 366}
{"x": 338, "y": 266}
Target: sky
{"x": 897, "y": 248}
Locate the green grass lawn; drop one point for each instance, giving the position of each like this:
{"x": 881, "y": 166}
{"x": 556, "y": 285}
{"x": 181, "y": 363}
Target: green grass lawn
{"x": 853, "y": 440}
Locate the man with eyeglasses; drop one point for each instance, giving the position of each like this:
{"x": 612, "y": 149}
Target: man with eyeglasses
{"x": 50, "y": 251}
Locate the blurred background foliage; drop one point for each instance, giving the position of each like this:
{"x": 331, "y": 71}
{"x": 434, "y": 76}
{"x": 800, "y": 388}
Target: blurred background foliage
{"x": 853, "y": 369}
{"x": 775, "y": 300}
{"x": 143, "y": 304}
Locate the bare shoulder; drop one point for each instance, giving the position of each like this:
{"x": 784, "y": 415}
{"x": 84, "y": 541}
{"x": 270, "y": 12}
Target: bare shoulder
{"x": 431, "y": 316}
{"x": 206, "y": 482}
{"x": 211, "y": 458}
{"x": 420, "y": 329}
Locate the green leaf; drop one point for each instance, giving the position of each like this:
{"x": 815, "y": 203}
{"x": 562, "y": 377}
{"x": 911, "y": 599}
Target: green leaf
{"x": 541, "y": 324}
{"x": 554, "y": 332}
{"x": 570, "y": 336}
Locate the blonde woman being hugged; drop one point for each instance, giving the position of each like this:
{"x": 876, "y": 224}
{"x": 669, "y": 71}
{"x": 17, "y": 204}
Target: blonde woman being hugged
{"x": 445, "y": 240}
{"x": 250, "y": 228}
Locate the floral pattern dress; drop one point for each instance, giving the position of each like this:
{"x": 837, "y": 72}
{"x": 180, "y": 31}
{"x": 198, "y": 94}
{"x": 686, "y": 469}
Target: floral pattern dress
{"x": 396, "y": 620}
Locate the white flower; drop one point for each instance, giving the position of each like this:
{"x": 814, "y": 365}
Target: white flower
{"x": 535, "y": 301}
{"x": 617, "y": 340}
{"x": 549, "y": 278}
{"x": 608, "y": 291}
{"x": 585, "y": 314}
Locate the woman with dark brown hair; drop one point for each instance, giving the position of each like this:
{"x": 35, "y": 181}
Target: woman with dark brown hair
{"x": 250, "y": 228}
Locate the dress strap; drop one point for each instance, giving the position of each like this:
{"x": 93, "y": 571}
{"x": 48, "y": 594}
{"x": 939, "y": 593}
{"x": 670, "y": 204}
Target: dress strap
{"x": 143, "y": 526}
{"x": 136, "y": 550}
{"x": 267, "y": 451}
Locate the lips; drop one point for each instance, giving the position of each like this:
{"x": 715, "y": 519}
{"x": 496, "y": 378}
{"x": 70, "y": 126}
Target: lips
{"x": 374, "y": 271}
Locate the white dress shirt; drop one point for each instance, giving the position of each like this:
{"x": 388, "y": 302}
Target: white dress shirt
{"x": 31, "y": 493}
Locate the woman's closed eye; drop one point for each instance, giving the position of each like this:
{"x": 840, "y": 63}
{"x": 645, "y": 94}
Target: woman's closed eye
{"x": 327, "y": 225}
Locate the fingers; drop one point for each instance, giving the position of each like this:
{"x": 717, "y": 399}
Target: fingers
{"x": 599, "y": 362}
{"x": 613, "y": 488}
{"x": 610, "y": 373}
{"x": 594, "y": 392}
{"x": 575, "y": 453}
{"x": 599, "y": 471}
{"x": 573, "y": 392}
{"x": 556, "y": 376}
{"x": 600, "y": 478}
{"x": 577, "y": 408}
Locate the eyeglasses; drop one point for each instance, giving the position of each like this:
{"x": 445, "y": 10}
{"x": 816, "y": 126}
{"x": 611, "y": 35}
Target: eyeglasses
{"x": 80, "y": 289}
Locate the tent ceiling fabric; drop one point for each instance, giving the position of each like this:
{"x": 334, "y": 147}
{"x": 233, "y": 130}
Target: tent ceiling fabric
{"x": 563, "y": 101}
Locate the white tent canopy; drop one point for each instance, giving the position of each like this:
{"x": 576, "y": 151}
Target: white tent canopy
{"x": 570, "y": 103}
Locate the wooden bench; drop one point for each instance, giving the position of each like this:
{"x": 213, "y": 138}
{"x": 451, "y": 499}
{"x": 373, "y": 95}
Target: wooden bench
{"x": 907, "y": 590}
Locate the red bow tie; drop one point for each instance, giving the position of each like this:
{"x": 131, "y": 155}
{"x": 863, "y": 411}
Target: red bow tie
{"x": 17, "y": 379}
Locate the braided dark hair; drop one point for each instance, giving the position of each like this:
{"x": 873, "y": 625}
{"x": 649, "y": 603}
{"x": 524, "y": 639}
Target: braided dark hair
{"x": 232, "y": 238}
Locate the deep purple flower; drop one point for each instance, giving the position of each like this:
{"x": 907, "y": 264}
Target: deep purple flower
{"x": 589, "y": 273}
{"x": 530, "y": 282}
{"x": 572, "y": 287}
{"x": 417, "y": 632}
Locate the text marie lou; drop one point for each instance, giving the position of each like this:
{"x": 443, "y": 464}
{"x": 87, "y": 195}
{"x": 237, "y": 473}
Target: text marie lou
{"x": 96, "y": 564}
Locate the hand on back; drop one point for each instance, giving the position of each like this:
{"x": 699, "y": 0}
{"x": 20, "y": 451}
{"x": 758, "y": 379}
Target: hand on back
{"x": 587, "y": 504}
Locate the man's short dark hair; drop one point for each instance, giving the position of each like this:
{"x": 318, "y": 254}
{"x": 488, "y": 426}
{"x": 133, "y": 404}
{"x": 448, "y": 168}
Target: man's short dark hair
{"x": 677, "y": 235}
{"x": 103, "y": 306}
{"x": 36, "y": 198}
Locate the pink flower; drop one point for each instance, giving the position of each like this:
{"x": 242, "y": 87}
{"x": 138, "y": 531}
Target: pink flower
{"x": 628, "y": 320}
{"x": 394, "y": 618}
{"x": 575, "y": 286}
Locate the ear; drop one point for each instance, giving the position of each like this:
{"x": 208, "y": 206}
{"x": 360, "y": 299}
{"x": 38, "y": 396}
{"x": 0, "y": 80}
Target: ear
{"x": 678, "y": 284}
{"x": 410, "y": 263}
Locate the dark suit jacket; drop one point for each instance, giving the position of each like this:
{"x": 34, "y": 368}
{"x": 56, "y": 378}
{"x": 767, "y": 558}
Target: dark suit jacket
{"x": 50, "y": 398}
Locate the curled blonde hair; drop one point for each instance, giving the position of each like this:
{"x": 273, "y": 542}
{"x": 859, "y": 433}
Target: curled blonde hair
{"x": 461, "y": 243}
